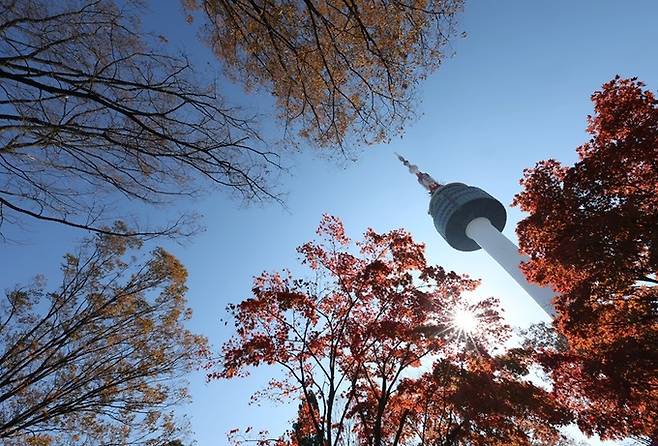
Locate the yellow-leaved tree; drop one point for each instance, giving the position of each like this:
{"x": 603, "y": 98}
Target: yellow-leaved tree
{"x": 341, "y": 70}
{"x": 102, "y": 358}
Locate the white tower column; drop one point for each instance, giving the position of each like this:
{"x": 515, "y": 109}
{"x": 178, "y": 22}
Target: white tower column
{"x": 508, "y": 256}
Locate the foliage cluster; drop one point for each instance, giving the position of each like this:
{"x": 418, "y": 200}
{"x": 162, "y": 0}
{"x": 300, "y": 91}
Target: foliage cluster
{"x": 592, "y": 234}
{"x": 102, "y": 358}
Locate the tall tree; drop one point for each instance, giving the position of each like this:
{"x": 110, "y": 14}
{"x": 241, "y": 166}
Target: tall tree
{"x": 349, "y": 340}
{"x": 591, "y": 234}
{"x": 101, "y": 359}
{"x": 341, "y": 71}
{"x": 92, "y": 109}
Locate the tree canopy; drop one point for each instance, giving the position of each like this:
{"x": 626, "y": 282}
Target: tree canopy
{"x": 591, "y": 234}
{"x": 100, "y": 359}
{"x": 351, "y": 342}
{"x": 343, "y": 72}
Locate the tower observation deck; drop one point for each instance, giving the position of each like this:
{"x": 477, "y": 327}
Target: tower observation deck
{"x": 469, "y": 219}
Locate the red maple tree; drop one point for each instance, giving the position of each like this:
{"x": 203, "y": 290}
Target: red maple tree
{"x": 592, "y": 234}
{"x": 352, "y": 340}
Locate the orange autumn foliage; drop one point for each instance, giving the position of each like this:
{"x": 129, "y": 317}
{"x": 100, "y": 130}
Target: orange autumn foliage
{"x": 339, "y": 70}
{"x": 592, "y": 234}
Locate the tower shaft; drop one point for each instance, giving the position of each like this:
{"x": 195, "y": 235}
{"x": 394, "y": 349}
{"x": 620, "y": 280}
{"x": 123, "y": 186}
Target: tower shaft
{"x": 507, "y": 255}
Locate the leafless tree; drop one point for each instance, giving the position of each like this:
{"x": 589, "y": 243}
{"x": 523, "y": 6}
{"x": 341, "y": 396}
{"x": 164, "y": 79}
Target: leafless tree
{"x": 95, "y": 114}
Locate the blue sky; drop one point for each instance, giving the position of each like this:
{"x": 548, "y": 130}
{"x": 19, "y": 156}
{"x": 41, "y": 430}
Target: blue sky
{"x": 517, "y": 91}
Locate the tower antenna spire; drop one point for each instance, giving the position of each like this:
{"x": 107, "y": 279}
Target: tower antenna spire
{"x": 424, "y": 179}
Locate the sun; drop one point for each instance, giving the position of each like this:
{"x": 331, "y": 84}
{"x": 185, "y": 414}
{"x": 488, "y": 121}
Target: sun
{"x": 466, "y": 324}
{"x": 464, "y": 319}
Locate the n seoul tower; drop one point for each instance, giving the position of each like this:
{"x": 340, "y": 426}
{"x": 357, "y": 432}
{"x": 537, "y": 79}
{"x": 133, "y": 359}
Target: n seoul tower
{"x": 468, "y": 219}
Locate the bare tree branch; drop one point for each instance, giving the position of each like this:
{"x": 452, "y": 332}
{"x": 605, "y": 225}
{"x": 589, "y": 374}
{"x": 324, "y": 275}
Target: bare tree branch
{"x": 91, "y": 109}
